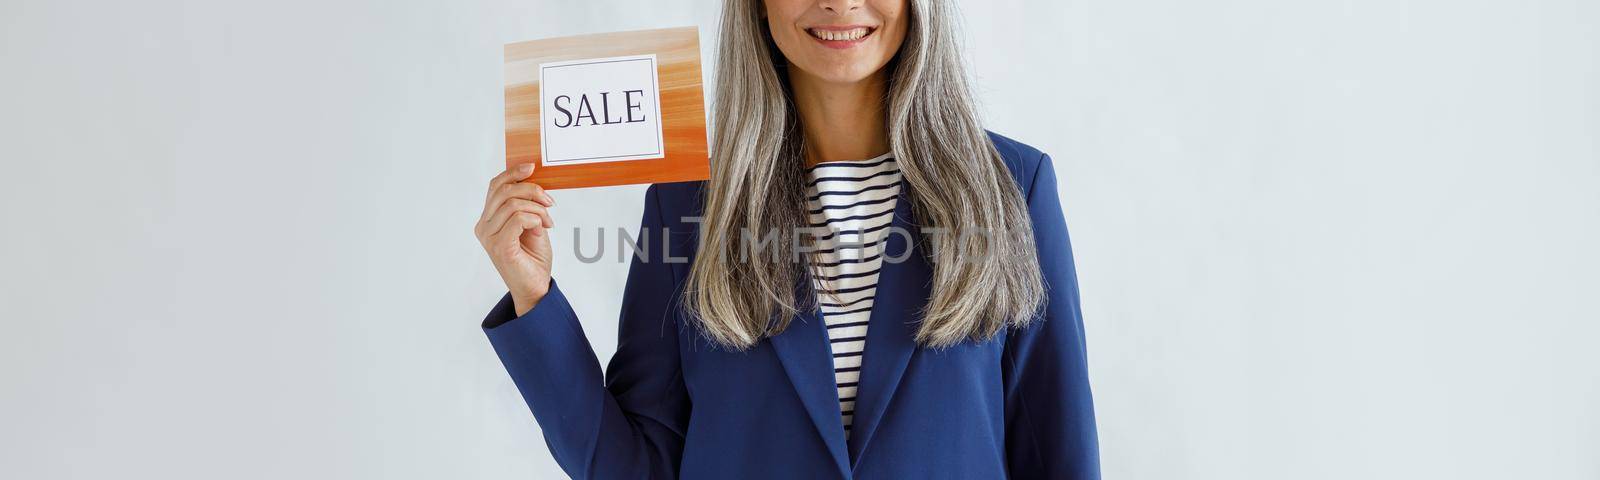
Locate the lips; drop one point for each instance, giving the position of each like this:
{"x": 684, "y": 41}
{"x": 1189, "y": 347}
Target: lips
{"x": 841, "y": 36}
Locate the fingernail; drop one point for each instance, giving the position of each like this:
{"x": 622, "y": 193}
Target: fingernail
{"x": 525, "y": 168}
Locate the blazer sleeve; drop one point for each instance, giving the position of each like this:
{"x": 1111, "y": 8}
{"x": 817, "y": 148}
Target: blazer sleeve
{"x": 1050, "y": 425}
{"x": 630, "y": 424}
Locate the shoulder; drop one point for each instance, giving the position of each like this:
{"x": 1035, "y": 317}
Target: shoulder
{"x": 673, "y": 201}
{"x": 1021, "y": 159}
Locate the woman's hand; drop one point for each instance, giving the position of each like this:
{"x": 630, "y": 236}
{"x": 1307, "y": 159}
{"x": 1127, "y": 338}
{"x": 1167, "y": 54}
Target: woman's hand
{"x": 514, "y": 230}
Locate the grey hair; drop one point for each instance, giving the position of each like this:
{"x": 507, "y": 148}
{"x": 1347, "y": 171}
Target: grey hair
{"x": 957, "y": 182}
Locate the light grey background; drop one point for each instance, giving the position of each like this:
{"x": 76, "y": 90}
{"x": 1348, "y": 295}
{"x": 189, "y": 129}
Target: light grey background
{"x": 1317, "y": 240}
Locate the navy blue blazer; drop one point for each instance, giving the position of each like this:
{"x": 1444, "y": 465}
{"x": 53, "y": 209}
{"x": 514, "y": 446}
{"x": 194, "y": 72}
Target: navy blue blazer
{"x": 673, "y": 405}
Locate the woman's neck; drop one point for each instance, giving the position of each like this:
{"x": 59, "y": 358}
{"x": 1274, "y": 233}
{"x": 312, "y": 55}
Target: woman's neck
{"x": 841, "y": 121}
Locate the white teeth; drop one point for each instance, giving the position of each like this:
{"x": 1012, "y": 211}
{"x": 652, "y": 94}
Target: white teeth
{"x": 844, "y": 35}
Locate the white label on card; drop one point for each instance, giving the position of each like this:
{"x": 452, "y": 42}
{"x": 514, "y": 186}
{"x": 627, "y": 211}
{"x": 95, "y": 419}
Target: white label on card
{"x": 600, "y": 110}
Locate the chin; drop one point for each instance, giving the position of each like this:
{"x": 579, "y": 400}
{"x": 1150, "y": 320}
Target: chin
{"x": 842, "y": 73}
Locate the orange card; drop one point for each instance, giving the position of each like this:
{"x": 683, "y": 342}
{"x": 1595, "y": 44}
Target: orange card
{"x": 607, "y": 109}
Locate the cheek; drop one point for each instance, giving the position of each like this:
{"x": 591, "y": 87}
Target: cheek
{"x": 895, "y": 40}
{"x": 781, "y": 18}
{"x": 788, "y": 44}
{"x": 895, "y": 23}
{"x": 783, "y": 33}
{"x": 892, "y": 11}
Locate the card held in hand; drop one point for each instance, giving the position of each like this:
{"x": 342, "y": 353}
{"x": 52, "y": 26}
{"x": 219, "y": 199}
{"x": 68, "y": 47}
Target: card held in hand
{"x": 607, "y": 109}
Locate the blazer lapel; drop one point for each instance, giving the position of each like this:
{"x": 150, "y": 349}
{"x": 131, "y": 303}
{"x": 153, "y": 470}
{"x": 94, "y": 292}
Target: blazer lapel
{"x": 902, "y": 292}
{"x": 803, "y": 347}
{"x": 803, "y": 350}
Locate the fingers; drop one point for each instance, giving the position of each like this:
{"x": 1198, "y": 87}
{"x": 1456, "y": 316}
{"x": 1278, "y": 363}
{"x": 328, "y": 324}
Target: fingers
{"x": 518, "y": 223}
{"x": 510, "y": 175}
{"x": 503, "y": 219}
{"x": 523, "y": 190}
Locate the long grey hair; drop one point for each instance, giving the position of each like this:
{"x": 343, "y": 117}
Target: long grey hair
{"x": 956, "y": 180}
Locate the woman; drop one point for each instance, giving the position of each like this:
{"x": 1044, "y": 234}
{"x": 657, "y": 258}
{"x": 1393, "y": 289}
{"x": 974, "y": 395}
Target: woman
{"x": 925, "y": 324}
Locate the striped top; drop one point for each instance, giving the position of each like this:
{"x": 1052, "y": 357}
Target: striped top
{"x": 853, "y": 204}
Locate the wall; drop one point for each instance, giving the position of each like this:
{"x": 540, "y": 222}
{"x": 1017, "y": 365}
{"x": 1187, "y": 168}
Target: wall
{"x": 1316, "y": 239}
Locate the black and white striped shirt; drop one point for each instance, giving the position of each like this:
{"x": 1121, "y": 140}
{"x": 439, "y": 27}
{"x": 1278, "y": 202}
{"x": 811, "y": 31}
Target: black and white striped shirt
{"x": 853, "y": 203}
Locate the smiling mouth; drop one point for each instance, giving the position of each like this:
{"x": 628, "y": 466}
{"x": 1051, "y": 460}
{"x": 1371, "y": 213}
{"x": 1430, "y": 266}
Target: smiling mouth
{"x": 852, "y": 34}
